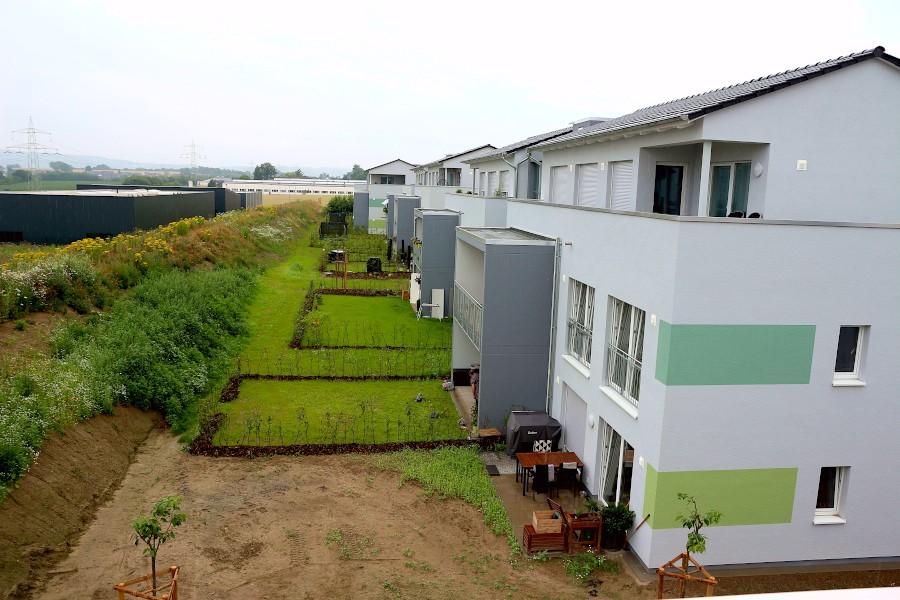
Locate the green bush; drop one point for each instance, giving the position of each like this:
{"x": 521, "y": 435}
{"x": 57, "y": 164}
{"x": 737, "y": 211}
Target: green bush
{"x": 173, "y": 336}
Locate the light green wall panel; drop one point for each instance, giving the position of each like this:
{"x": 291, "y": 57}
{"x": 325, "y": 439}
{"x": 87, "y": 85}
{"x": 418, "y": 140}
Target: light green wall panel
{"x": 744, "y": 496}
{"x": 734, "y": 354}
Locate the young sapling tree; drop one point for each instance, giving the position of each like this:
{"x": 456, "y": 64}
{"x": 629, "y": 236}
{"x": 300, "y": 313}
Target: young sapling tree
{"x": 694, "y": 521}
{"x": 157, "y": 528}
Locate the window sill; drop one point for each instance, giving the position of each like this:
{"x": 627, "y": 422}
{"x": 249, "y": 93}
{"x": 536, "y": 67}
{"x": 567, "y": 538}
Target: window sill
{"x": 829, "y": 520}
{"x": 579, "y": 366}
{"x": 624, "y": 404}
{"x": 848, "y": 383}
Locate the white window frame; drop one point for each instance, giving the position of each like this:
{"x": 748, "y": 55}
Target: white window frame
{"x": 581, "y": 296}
{"x": 632, "y": 354}
{"x": 685, "y": 181}
{"x": 611, "y": 189}
{"x": 832, "y": 514}
{"x": 852, "y": 378}
{"x": 729, "y": 208}
{"x": 611, "y": 448}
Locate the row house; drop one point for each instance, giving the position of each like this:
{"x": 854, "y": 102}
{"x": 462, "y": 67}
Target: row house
{"x": 713, "y": 283}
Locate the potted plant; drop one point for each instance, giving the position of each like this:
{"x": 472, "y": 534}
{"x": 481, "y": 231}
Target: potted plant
{"x": 590, "y": 509}
{"x": 617, "y": 519}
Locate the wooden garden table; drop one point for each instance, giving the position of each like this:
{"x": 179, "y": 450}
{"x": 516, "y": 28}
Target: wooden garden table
{"x": 528, "y": 460}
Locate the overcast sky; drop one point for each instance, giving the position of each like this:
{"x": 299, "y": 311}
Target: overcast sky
{"x": 335, "y": 83}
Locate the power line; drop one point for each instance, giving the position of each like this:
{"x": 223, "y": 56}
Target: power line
{"x": 33, "y": 149}
{"x": 191, "y": 152}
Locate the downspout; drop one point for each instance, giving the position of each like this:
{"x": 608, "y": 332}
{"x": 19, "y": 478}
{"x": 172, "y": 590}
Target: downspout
{"x": 515, "y": 172}
{"x": 551, "y": 363}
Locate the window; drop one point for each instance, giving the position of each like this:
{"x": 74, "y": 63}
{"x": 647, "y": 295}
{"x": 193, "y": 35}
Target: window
{"x": 620, "y": 175}
{"x": 560, "y": 185}
{"x": 848, "y": 362}
{"x": 668, "y": 189}
{"x": 615, "y": 458}
{"x": 586, "y": 191}
{"x": 832, "y": 481}
{"x": 581, "y": 322}
{"x": 730, "y": 189}
{"x": 625, "y": 350}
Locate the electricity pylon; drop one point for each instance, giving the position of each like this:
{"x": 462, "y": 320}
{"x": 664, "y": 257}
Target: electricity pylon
{"x": 33, "y": 149}
{"x": 191, "y": 153}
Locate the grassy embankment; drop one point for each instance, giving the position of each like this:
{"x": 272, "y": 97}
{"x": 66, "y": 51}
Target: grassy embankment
{"x": 178, "y": 295}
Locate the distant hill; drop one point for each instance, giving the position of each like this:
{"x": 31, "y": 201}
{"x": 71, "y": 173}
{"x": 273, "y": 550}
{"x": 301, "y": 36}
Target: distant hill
{"x": 79, "y": 161}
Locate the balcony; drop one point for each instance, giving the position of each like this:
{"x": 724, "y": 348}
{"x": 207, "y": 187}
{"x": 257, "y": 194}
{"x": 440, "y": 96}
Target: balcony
{"x": 623, "y": 374}
{"x": 468, "y": 314}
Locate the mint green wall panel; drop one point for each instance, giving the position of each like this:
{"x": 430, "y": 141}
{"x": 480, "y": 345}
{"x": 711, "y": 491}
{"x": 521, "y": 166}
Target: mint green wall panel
{"x": 743, "y": 496}
{"x": 734, "y": 354}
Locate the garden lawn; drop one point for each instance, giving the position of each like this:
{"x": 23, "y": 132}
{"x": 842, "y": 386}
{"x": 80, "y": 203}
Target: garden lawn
{"x": 346, "y": 362}
{"x": 273, "y": 412}
{"x": 274, "y": 309}
{"x": 375, "y": 322}
{"x": 377, "y": 223}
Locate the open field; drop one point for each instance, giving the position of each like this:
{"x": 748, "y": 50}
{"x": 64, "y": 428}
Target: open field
{"x": 269, "y": 413}
{"x": 377, "y": 223}
{"x": 24, "y": 186}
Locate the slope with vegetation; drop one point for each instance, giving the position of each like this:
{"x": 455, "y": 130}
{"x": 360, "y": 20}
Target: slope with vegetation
{"x": 175, "y": 300}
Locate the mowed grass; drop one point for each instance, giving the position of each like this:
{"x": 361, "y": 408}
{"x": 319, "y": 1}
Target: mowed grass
{"x": 351, "y": 362}
{"x": 274, "y": 309}
{"x": 375, "y": 322}
{"x": 272, "y": 412}
{"x": 377, "y": 223}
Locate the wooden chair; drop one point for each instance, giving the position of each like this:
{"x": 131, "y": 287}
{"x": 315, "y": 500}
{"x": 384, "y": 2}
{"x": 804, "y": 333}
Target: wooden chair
{"x": 540, "y": 482}
{"x": 567, "y": 475}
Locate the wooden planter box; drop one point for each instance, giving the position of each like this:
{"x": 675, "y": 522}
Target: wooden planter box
{"x": 543, "y": 521}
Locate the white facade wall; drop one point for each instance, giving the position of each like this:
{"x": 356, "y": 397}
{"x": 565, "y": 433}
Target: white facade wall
{"x": 396, "y": 168}
{"x": 682, "y": 270}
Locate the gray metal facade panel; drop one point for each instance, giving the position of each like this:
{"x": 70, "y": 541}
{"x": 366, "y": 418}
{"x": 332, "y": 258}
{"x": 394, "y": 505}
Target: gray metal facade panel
{"x": 405, "y": 220}
{"x": 360, "y": 209}
{"x": 61, "y": 219}
{"x": 518, "y": 291}
{"x": 507, "y": 381}
{"x": 152, "y": 211}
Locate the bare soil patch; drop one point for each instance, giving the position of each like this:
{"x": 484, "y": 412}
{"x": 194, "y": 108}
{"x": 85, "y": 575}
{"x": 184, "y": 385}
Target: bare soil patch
{"x": 328, "y": 527}
{"x": 302, "y": 527}
{"x": 35, "y": 339}
{"x": 77, "y": 471}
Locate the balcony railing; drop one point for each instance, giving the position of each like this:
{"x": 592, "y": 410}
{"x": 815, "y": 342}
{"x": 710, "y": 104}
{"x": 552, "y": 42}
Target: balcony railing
{"x": 468, "y": 312}
{"x": 579, "y": 342}
{"x": 623, "y": 374}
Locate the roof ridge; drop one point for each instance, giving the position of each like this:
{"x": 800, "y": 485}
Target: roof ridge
{"x": 696, "y": 105}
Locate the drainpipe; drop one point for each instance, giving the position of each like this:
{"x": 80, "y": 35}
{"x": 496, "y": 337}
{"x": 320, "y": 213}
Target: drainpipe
{"x": 515, "y": 172}
{"x": 551, "y": 363}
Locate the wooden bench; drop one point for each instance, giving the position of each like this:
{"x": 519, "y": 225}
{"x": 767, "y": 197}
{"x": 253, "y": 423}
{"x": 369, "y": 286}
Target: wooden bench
{"x": 538, "y": 542}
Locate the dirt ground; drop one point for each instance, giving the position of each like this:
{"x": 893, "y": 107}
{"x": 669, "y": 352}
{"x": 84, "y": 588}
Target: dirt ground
{"x": 304, "y": 527}
{"x": 76, "y": 472}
